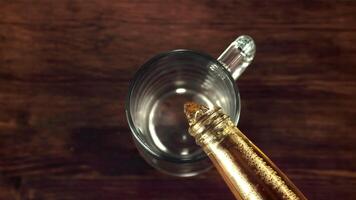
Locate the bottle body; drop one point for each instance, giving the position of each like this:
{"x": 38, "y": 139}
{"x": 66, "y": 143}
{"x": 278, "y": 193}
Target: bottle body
{"x": 247, "y": 171}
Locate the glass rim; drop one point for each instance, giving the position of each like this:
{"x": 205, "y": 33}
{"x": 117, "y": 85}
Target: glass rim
{"x": 133, "y": 82}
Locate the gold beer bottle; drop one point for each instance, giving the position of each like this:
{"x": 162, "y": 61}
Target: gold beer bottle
{"x": 248, "y": 172}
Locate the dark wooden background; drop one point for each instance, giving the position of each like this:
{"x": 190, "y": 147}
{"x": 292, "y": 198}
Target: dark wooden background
{"x": 64, "y": 73}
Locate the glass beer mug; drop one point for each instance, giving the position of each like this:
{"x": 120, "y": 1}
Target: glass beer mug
{"x": 158, "y": 91}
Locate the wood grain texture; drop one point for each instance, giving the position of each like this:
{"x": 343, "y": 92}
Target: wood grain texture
{"x": 64, "y": 73}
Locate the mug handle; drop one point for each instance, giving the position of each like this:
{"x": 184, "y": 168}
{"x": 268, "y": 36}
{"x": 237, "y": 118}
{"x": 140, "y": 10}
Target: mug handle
{"x": 238, "y": 55}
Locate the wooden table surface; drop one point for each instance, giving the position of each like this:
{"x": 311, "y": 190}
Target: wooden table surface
{"x": 64, "y": 73}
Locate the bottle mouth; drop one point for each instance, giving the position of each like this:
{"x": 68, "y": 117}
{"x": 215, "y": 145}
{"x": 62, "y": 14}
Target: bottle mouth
{"x": 205, "y": 124}
{"x": 194, "y": 111}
